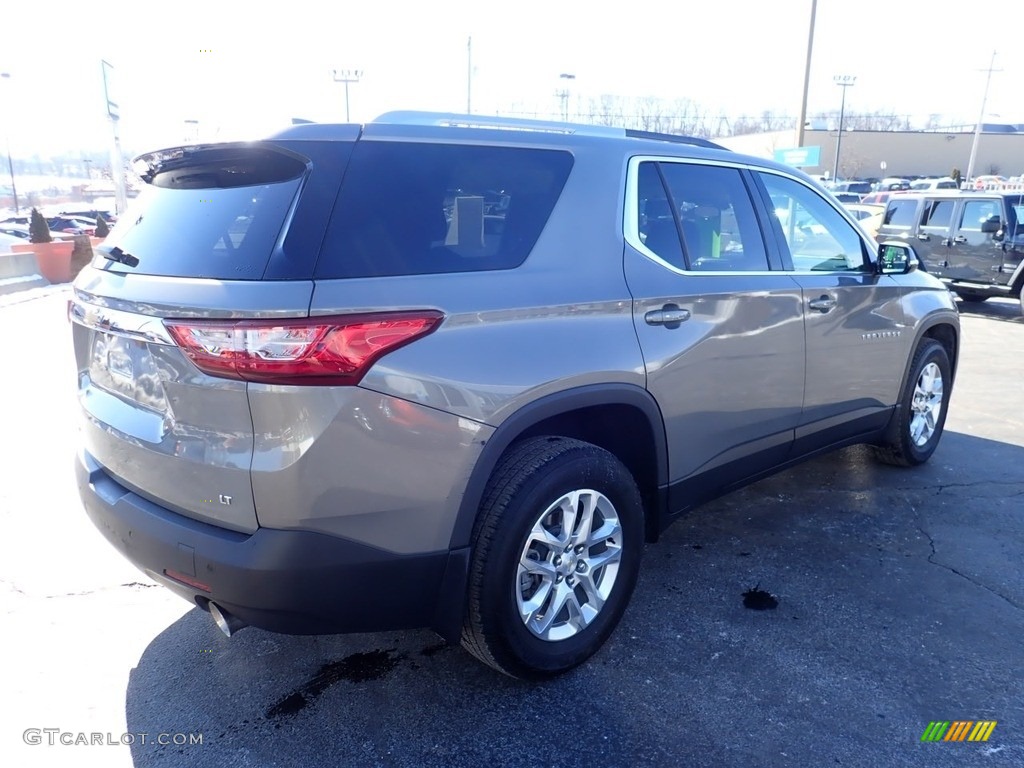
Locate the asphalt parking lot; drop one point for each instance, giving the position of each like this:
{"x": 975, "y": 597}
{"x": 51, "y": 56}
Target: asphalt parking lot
{"x": 877, "y": 600}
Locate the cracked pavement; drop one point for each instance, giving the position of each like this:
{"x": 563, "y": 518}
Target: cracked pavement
{"x": 899, "y": 596}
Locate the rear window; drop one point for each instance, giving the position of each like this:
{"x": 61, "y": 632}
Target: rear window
{"x": 214, "y": 212}
{"x": 417, "y": 208}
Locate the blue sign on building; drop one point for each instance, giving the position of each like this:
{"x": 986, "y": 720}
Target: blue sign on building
{"x": 799, "y": 157}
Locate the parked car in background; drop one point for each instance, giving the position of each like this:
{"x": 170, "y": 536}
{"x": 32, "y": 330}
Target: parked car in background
{"x": 983, "y": 182}
{"x": 846, "y": 197}
{"x": 89, "y": 215}
{"x": 892, "y": 183}
{"x": 6, "y": 241}
{"x": 862, "y": 211}
{"x": 868, "y": 216}
{"x": 17, "y": 230}
{"x": 879, "y": 198}
{"x": 930, "y": 185}
{"x": 972, "y": 240}
{"x": 857, "y": 187}
{"x": 332, "y": 381}
{"x": 72, "y": 225}
{"x": 14, "y": 231}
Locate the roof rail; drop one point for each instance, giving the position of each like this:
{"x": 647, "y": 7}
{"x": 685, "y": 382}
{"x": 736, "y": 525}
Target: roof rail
{"x": 445, "y": 119}
{"x": 675, "y": 138}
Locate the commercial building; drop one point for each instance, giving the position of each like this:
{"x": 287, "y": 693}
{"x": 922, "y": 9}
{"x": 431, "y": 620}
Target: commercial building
{"x": 904, "y": 153}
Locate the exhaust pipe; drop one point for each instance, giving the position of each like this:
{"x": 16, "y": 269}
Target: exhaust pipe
{"x": 229, "y": 624}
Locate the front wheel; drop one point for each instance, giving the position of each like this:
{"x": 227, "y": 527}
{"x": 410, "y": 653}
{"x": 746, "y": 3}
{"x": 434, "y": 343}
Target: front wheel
{"x": 556, "y": 552}
{"x": 917, "y": 425}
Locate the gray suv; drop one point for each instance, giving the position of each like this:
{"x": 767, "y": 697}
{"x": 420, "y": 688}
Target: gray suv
{"x": 452, "y": 372}
{"x": 973, "y": 241}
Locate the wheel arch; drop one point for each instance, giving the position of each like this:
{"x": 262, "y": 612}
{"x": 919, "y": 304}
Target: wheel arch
{"x": 624, "y": 419}
{"x": 944, "y": 330}
{"x": 943, "y": 327}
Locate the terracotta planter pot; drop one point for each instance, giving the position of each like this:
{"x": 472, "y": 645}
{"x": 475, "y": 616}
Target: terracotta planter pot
{"x": 54, "y": 259}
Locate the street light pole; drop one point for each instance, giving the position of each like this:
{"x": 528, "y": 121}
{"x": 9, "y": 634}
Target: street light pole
{"x": 346, "y": 76}
{"x": 564, "y": 95}
{"x": 981, "y": 118}
{"x": 10, "y": 164}
{"x": 844, "y": 82}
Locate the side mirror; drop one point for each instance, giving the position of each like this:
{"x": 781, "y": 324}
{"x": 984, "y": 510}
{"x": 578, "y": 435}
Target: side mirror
{"x": 991, "y": 225}
{"x": 896, "y": 259}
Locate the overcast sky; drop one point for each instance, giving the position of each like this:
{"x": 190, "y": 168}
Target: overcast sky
{"x": 242, "y": 70}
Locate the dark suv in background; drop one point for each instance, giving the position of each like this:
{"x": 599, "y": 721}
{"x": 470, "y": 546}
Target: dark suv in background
{"x": 452, "y": 372}
{"x": 973, "y": 241}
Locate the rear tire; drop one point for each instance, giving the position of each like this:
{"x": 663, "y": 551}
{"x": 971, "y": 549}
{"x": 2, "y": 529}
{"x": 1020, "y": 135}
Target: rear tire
{"x": 556, "y": 553}
{"x": 917, "y": 424}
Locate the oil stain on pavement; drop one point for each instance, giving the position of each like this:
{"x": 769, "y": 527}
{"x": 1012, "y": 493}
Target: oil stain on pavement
{"x": 357, "y": 668}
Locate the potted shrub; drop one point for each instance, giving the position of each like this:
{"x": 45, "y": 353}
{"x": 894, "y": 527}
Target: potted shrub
{"x": 102, "y": 229}
{"x": 81, "y": 255}
{"x": 54, "y": 258}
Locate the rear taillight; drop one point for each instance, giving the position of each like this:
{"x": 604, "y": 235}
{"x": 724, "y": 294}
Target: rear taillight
{"x": 317, "y": 350}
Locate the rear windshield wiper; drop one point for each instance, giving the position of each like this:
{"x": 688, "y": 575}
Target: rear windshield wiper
{"x": 116, "y": 254}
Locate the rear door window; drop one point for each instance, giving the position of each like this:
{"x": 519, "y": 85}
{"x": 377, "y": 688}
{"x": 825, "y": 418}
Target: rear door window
{"x": 938, "y": 213}
{"x": 900, "y": 214}
{"x": 207, "y": 212}
{"x": 719, "y": 228}
{"x": 417, "y": 208}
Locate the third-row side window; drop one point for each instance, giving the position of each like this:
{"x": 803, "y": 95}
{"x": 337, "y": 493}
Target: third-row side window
{"x": 418, "y": 208}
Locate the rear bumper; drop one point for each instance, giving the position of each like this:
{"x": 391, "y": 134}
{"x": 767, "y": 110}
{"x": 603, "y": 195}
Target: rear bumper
{"x": 295, "y": 582}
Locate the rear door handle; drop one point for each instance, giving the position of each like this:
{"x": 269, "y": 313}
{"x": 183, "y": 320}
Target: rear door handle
{"x": 822, "y": 304}
{"x": 960, "y": 239}
{"x": 924, "y": 237}
{"x": 670, "y": 315}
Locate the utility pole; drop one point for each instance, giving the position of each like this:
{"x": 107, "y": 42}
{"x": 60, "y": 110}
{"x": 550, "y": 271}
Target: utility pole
{"x": 10, "y": 164}
{"x": 981, "y": 118}
{"x": 117, "y": 170}
{"x": 564, "y": 95}
{"x": 802, "y": 120}
{"x": 469, "y": 76}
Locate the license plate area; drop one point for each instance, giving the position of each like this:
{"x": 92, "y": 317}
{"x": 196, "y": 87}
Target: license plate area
{"x": 125, "y": 367}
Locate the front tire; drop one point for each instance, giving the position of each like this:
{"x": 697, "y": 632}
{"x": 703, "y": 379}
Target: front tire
{"x": 556, "y": 553}
{"x": 918, "y": 423}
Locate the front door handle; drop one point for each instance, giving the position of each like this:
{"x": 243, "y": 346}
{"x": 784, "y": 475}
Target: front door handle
{"x": 960, "y": 239}
{"x": 822, "y": 304}
{"x": 670, "y": 315}
{"x": 922, "y": 236}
